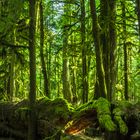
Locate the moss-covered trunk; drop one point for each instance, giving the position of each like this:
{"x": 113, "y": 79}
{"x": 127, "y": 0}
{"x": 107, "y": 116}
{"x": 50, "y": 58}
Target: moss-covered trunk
{"x": 44, "y": 72}
{"x": 98, "y": 50}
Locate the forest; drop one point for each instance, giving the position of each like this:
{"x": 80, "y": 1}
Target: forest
{"x": 69, "y": 69}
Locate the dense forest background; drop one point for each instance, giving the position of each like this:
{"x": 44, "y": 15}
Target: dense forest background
{"x": 67, "y": 56}
{"x": 77, "y": 50}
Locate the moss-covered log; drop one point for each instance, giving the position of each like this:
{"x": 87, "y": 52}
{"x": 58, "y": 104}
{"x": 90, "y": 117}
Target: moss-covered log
{"x": 52, "y": 115}
{"x": 56, "y": 115}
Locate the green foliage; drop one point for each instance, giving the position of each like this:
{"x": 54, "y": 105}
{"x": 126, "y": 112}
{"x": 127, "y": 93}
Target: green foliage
{"x": 14, "y": 26}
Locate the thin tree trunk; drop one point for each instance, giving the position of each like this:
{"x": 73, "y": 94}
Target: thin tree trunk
{"x": 59, "y": 82}
{"x": 105, "y": 41}
{"x": 32, "y": 57}
{"x": 46, "y": 82}
{"x": 12, "y": 69}
{"x": 73, "y": 61}
{"x": 74, "y": 87}
{"x": 84, "y": 51}
{"x": 125, "y": 52}
{"x": 138, "y": 13}
{"x": 98, "y": 51}
{"x": 66, "y": 85}
{"x": 66, "y": 80}
{"x": 12, "y": 65}
{"x": 112, "y": 32}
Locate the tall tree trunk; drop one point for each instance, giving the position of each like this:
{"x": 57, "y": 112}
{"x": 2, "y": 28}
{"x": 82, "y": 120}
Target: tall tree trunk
{"x": 46, "y": 82}
{"x": 84, "y": 54}
{"x": 105, "y": 40}
{"x": 66, "y": 83}
{"x": 66, "y": 80}
{"x": 12, "y": 65}
{"x": 74, "y": 87}
{"x": 73, "y": 60}
{"x": 59, "y": 82}
{"x": 32, "y": 58}
{"x": 112, "y": 33}
{"x": 98, "y": 51}
{"x": 125, "y": 52}
{"x": 74, "y": 75}
{"x": 138, "y": 13}
{"x": 12, "y": 70}
{"x": 108, "y": 41}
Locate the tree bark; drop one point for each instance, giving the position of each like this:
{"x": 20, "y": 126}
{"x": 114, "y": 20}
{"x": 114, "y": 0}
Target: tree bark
{"x": 46, "y": 81}
{"x": 125, "y": 52}
{"x": 112, "y": 33}
{"x": 98, "y": 50}
{"x": 108, "y": 41}
{"x": 84, "y": 54}
{"x": 138, "y": 13}
{"x": 105, "y": 40}
{"x": 66, "y": 80}
{"x": 74, "y": 87}
{"x": 32, "y": 59}
{"x": 11, "y": 84}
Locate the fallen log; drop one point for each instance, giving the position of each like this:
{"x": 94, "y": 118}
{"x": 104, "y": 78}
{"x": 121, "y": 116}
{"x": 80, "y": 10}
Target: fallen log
{"x": 56, "y": 115}
{"x": 52, "y": 115}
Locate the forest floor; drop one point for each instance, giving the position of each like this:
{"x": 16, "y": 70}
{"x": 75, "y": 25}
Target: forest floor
{"x": 84, "y": 137}
{"x": 80, "y": 136}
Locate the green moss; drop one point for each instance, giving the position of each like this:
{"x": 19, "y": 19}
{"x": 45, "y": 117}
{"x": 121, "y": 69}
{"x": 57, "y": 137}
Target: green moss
{"x": 85, "y": 106}
{"x": 62, "y": 108}
{"x": 81, "y": 110}
{"x": 123, "y": 105}
{"x": 104, "y": 115}
{"x": 102, "y": 106}
{"x": 118, "y": 113}
{"x": 64, "y": 103}
{"x": 57, "y": 111}
{"x": 121, "y": 124}
{"x": 107, "y": 123}
{"x": 42, "y": 100}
